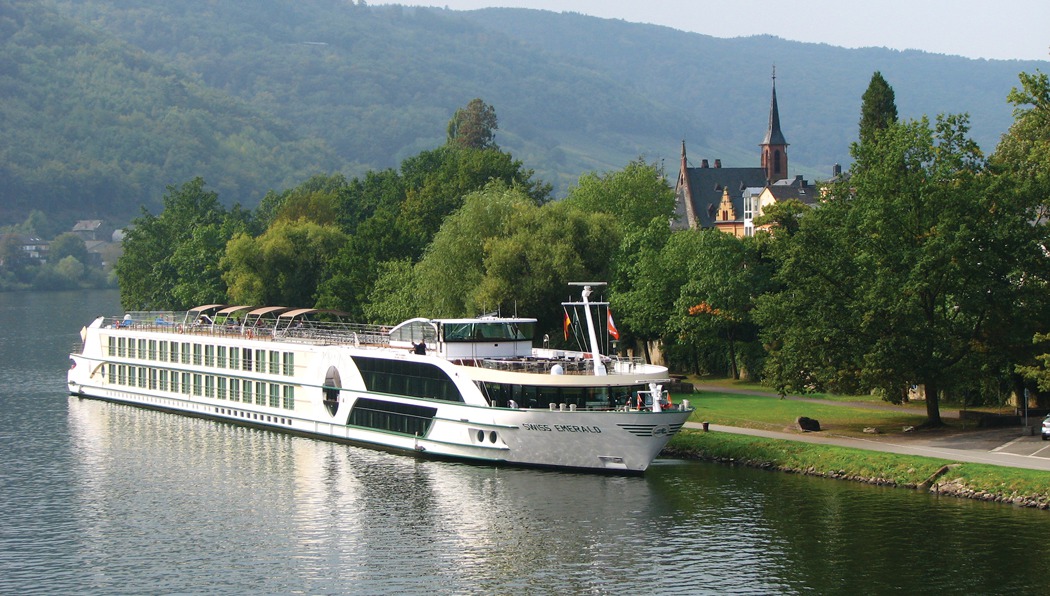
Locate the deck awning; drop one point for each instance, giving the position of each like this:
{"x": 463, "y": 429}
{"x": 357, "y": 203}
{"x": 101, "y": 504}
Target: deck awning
{"x": 267, "y": 310}
{"x": 206, "y": 308}
{"x": 229, "y": 310}
{"x": 297, "y": 312}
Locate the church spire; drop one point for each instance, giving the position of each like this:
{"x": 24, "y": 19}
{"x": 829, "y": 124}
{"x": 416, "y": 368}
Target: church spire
{"x": 774, "y": 146}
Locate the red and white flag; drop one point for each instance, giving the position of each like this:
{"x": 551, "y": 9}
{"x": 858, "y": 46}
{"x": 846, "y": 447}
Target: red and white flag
{"x": 613, "y": 331}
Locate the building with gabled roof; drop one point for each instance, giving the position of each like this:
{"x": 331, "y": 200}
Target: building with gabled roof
{"x": 709, "y": 196}
{"x": 88, "y": 229}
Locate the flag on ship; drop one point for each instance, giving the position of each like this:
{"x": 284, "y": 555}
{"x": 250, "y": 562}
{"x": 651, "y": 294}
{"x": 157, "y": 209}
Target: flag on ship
{"x": 566, "y": 325}
{"x": 613, "y": 331}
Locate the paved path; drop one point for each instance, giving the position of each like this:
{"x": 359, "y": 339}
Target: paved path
{"x": 997, "y": 446}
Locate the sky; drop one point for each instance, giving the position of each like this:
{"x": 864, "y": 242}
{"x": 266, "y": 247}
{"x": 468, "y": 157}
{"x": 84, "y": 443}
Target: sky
{"x": 1002, "y": 29}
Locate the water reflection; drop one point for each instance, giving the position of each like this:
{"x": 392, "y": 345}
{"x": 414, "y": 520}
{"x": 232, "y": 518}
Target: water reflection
{"x": 102, "y": 498}
{"x": 171, "y": 493}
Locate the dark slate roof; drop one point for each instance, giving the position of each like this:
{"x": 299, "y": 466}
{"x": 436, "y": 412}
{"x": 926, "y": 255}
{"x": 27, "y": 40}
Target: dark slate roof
{"x": 707, "y": 185}
{"x": 796, "y": 188}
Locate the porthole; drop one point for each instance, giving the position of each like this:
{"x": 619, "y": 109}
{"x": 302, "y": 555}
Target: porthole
{"x": 492, "y": 436}
{"x": 481, "y": 436}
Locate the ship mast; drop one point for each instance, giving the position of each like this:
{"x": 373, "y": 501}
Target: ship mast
{"x": 592, "y": 335}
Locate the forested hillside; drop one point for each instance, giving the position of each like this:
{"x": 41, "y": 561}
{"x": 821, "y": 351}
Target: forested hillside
{"x": 106, "y": 102}
{"x": 93, "y": 127}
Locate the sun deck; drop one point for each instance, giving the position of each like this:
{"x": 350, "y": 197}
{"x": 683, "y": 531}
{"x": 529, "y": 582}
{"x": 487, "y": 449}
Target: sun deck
{"x": 305, "y": 326}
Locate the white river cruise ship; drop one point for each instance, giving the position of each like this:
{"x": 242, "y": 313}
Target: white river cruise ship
{"x": 473, "y": 389}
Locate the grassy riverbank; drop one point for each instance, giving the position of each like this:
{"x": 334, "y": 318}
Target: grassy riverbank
{"x": 1029, "y": 488}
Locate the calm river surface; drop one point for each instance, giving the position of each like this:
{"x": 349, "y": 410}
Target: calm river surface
{"x": 97, "y": 498}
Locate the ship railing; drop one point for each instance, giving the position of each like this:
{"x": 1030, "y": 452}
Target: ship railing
{"x": 570, "y": 364}
{"x": 331, "y": 333}
{"x": 321, "y": 332}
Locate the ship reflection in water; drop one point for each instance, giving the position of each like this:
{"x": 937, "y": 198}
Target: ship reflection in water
{"x": 185, "y": 504}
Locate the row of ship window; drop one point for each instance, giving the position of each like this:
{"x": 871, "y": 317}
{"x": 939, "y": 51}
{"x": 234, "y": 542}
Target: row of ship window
{"x": 272, "y": 361}
{"x": 274, "y": 395}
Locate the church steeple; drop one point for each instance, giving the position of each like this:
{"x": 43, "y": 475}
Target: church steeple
{"x": 774, "y": 146}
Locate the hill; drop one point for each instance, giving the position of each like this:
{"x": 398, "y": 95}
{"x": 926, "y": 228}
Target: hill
{"x": 95, "y": 127}
{"x": 106, "y": 102}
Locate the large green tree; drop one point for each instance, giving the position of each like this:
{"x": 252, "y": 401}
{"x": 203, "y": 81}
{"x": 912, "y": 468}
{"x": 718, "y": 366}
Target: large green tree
{"x": 642, "y": 203}
{"x": 878, "y": 109}
{"x": 171, "y": 260}
{"x": 635, "y": 195}
{"x": 1022, "y": 163}
{"x": 474, "y": 126}
{"x": 907, "y": 274}
{"x": 501, "y": 251}
{"x": 283, "y": 266}
{"x": 713, "y": 309}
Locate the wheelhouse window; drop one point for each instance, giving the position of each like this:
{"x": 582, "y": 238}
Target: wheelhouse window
{"x": 485, "y": 331}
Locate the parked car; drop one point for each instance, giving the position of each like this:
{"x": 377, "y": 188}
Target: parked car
{"x": 1046, "y": 427}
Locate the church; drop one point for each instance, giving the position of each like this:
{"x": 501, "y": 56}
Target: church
{"x": 711, "y": 196}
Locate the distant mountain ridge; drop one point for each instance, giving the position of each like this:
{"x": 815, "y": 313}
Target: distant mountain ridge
{"x": 106, "y": 102}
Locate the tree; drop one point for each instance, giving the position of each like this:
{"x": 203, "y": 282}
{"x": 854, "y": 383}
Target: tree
{"x": 878, "y": 110}
{"x": 714, "y": 306}
{"x": 907, "y": 275}
{"x": 502, "y": 251}
{"x": 635, "y": 195}
{"x": 644, "y": 288}
{"x": 68, "y": 244}
{"x": 1022, "y": 163}
{"x": 283, "y": 266}
{"x": 473, "y": 127}
{"x": 171, "y": 260}
{"x": 437, "y": 181}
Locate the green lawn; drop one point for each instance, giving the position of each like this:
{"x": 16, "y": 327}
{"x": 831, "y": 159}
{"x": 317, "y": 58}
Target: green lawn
{"x": 772, "y": 413}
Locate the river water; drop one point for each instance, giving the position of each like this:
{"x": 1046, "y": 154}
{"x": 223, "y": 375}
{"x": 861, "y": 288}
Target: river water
{"x": 98, "y": 498}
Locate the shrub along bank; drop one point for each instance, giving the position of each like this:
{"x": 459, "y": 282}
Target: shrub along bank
{"x": 1027, "y": 488}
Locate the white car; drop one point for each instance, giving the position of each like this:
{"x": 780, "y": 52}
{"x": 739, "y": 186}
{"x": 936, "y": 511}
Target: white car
{"x": 1046, "y": 428}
